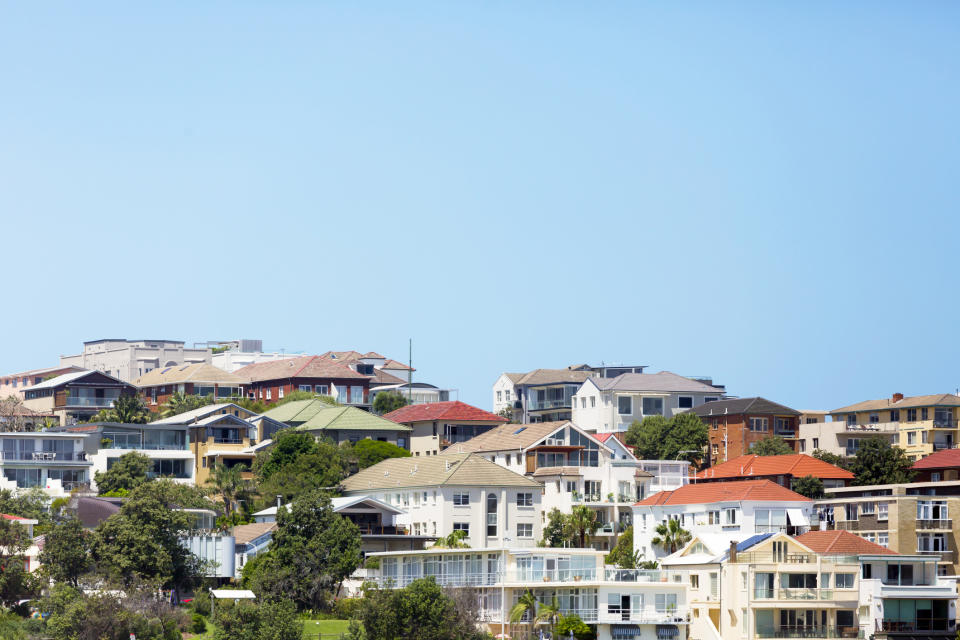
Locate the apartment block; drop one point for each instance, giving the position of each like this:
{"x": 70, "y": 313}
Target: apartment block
{"x": 736, "y": 425}
{"x": 438, "y": 425}
{"x": 54, "y": 462}
{"x": 127, "y": 360}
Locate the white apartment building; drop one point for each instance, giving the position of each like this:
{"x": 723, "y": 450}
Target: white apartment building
{"x": 465, "y": 492}
{"x": 605, "y": 405}
{"x": 130, "y": 359}
{"x": 573, "y": 466}
{"x": 54, "y": 462}
{"x": 821, "y": 584}
{"x": 622, "y": 603}
{"x": 723, "y": 510}
{"x": 167, "y": 445}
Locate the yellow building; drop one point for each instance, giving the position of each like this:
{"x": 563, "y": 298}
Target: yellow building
{"x": 918, "y": 424}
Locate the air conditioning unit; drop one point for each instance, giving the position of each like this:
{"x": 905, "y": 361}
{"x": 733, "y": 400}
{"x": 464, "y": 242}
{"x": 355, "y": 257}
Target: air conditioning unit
{"x": 554, "y": 442}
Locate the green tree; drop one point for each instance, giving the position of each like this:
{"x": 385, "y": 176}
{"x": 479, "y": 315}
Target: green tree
{"x": 553, "y": 535}
{"x": 141, "y": 542}
{"x": 312, "y": 551}
{"x": 420, "y": 611}
{"x": 453, "y": 540}
{"x": 369, "y": 452}
{"x": 579, "y": 525}
{"x": 228, "y": 483}
{"x": 288, "y": 445}
{"x": 268, "y": 620}
{"x": 539, "y": 612}
{"x": 66, "y": 552}
{"x": 128, "y": 409}
{"x": 128, "y": 472}
{"x": 832, "y": 458}
{"x": 16, "y": 582}
{"x": 387, "y": 401}
{"x": 575, "y": 625}
{"x": 622, "y": 555}
{"x": 772, "y": 446}
{"x": 179, "y": 402}
{"x": 879, "y": 462}
{"x": 324, "y": 468}
{"x": 671, "y": 536}
{"x": 809, "y": 486}
{"x": 682, "y": 437}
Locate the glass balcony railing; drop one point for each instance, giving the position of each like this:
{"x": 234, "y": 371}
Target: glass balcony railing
{"x": 84, "y": 401}
{"x": 43, "y": 456}
{"x": 806, "y": 631}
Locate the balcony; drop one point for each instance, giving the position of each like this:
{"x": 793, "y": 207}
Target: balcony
{"x": 538, "y": 405}
{"x": 873, "y": 427}
{"x": 83, "y": 401}
{"x": 455, "y": 580}
{"x": 913, "y": 626}
{"x": 645, "y": 616}
{"x": 43, "y": 456}
{"x": 944, "y": 423}
{"x": 811, "y": 631}
{"x": 644, "y": 575}
{"x": 927, "y": 525}
{"x": 799, "y": 594}
{"x": 381, "y": 530}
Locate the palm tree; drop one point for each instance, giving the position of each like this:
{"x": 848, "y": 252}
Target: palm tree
{"x": 180, "y": 402}
{"x": 581, "y": 524}
{"x": 129, "y": 409}
{"x": 671, "y": 536}
{"x": 227, "y": 482}
{"x": 540, "y": 611}
{"x": 453, "y": 541}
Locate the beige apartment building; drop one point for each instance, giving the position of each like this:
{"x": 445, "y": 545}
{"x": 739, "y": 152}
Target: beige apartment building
{"x": 918, "y": 424}
{"x": 130, "y": 359}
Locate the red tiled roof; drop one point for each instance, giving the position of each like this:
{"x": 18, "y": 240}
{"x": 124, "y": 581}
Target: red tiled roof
{"x": 453, "y": 410}
{"x": 841, "y": 543}
{"x": 709, "y": 492}
{"x": 7, "y": 516}
{"x": 300, "y": 367}
{"x": 86, "y": 427}
{"x": 797, "y": 465}
{"x": 944, "y": 459}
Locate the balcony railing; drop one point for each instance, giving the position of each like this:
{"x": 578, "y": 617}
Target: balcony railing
{"x": 935, "y": 524}
{"x": 142, "y": 446}
{"x": 83, "y": 401}
{"x": 43, "y": 456}
{"x": 381, "y": 530}
{"x": 907, "y": 626}
{"x": 457, "y": 580}
{"x": 536, "y": 405}
{"x": 767, "y": 557}
{"x": 76, "y": 486}
{"x": 644, "y": 575}
{"x": 217, "y": 440}
{"x": 873, "y": 427}
{"x": 811, "y": 631}
{"x": 944, "y": 424}
{"x": 763, "y": 593}
{"x": 646, "y": 616}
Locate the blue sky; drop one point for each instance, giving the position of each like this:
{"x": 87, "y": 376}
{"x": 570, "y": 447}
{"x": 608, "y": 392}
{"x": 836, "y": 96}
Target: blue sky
{"x": 761, "y": 192}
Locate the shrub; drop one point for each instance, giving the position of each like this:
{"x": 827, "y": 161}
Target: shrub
{"x": 201, "y": 603}
{"x": 347, "y": 608}
{"x": 197, "y": 624}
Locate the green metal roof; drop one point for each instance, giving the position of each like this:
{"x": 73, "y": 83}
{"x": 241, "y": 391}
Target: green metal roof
{"x": 313, "y": 415}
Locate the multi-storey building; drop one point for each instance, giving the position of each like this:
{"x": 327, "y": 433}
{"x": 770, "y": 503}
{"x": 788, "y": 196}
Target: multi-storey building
{"x": 573, "y": 466}
{"x": 784, "y": 470}
{"x": 200, "y": 379}
{"x": 55, "y": 462}
{"x": 76, "y": 397}
{"x": 167, "y": 446}
{"x": 12, "y": 384}
{"x": 918, "y": 424}
{"x": 817, "y": 433}
{"x": 340, "y": 424}
{"x": 271, "y": 381}
{"x": 541, "y": 395}
{"x": 605, "y": 405}
{"x": 816, "y": 585}
{"x": 438, "y": 425}
{"x": 720, "y": 510}
{"x": 736, "y": 425}
{"x": 915, "y": 518}
{"x": 130, "y": 359}
{"x": 621, "y": 603}
{"x": 942, "y": 465}
{"x": 458, "y": 492}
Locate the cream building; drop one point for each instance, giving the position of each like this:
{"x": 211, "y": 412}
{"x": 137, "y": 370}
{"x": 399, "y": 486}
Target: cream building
{"x": 130, "y": 359}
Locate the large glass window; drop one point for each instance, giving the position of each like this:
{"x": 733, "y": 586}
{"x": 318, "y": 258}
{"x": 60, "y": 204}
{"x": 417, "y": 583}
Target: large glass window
{"x": 770, "y": 520}
{"x": 932, "y": 510}
{"x": 491, "y": 515}
{"x": 653, "y": 406}
{"x": 23, "y": 477}
{"x": 666, "y": 602}
{"x": 624, "y": 405}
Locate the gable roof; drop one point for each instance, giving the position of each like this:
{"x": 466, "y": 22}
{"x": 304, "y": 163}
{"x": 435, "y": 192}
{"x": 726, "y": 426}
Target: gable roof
{"x": 550, "y": 376}
{"x": 453, "y": 410}
{"x": 459, "y": 470}
{"x": 797, "y": 465}
{"x": 297, "y": 411}
{"x": 935, "y": 400}
{"x": 75, "y": 376}
{"x": 349, "y": 419}
{"x": 508, "y": 437}
{"x": 943, "y": 459}
{"x": 760, "y": 406}
{"x": 188, "y": 417}
{"x": 197, "y": 372}
{"x": 665, "y": 381}
{"x": 246, "y": 533}
{"x": 710, "y": 492}
{"x": 840, "y": 543}
{"x": 299, "y": 367}
{"x": 354, "y": 356}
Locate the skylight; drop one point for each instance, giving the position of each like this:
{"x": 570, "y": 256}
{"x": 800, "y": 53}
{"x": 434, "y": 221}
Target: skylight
{"x": 519, "y": 430}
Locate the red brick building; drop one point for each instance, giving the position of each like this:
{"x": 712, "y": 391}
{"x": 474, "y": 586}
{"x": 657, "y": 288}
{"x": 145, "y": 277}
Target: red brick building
{"x": 199, "y": 379}
{"x": 735, "y": 425}
{"x": 271, "y": 381}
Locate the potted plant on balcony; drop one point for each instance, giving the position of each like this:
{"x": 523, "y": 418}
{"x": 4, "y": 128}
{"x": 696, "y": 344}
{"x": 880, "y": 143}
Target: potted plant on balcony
{"x": 610, "y": 497}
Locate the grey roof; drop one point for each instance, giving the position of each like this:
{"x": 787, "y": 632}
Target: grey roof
{"x": 738, "y": 406}
{"x": 68, "y": 377}
{"x": 664, "y": 381}
{"x": 457, "y": 470}
{"x": 194, "y": 414}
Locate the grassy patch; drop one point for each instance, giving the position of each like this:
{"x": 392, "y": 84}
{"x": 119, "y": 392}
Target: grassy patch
{"x": 325, "y": 627}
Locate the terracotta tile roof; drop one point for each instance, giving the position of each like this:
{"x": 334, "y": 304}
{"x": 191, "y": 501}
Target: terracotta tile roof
{"x": 453, "y": 410}
{"x": 841, "y": 543}
{"x": 349, "y": 357}
{"x": 507, "y": 437}
{"x": 943, "y": 459}
{"x": 7, "y": 516}
{"x": 797, "y": 465}
{"x": 457, "y": 470}
{"x": 244, "y": 533}
{"x": 300, "y": 367}
{"x": 935, "y": 400}
{"x": 198, "y": 372}
{"x": 706, "y": 493}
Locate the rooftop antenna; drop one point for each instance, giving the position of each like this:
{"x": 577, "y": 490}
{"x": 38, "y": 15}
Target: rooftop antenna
{"x": 410, "y": 374}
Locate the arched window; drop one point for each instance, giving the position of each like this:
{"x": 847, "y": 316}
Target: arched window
{"x": 491, "y": 515}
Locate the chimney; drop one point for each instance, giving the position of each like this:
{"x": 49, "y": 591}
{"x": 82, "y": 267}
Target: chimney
{"x": 733, "y": 551}
{"x": 897, "y": 397}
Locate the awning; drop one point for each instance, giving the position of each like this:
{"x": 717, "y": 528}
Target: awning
{"x": 667, "y": 631}
{"x": 796, "y": 518}
{"x": 625, "y": 631}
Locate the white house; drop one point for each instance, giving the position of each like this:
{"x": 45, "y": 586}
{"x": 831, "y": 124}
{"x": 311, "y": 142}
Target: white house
{"x": 53, "y": 461}
{"x": 574, "y": 467}
{"x": 605, "y": 405}
{"x": 723, "y": 511}
{"x": 622, "y": 603}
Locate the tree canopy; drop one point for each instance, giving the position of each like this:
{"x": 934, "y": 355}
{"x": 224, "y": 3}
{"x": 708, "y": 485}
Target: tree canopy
{"x": 368, "y": 452}
{"x": 66, "y": 552}
{"x": 832, "y": 458}
{"x": 553, "y": 535}
{"x": 16, "y": 582}
{"x": 671, "y": 536}
{"x": 622, "y": 555}
{"x": 128, "y": 409}
{"x": 809, "y": 486}
{"x": 268, "y": 620}
{"x": 879, "y": 462}
{"x": 682, "y": 437}
{"x": 387, "y": 401}
{"x": 772, "y": 446}
{"x": 419, "y": 611}
{"x": 128, "y": 472}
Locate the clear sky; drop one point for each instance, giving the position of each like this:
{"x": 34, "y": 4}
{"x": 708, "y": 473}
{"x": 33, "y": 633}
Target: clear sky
{"x": 762, "y": 192}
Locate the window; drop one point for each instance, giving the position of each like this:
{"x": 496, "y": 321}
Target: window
{"x": 816, "y": 443}
{"x": 803, "y": 446}
{"x": 713, "y": 517}
{"x": 931, "y": 542}
{"x": 902, "y": 574}
{"x": 571, "y": 486}
{"x": 932, "y": 510}
{"x": 401, "y": 442}
{"x": 593, "y": 401}
{"x": 653, "y": 406}
{"x": 729, "y": 516}
{"x": 506, "y": 395}
{"x": 923, "y": 414}
{"x": 715, "y": 449}
{"x": 280, "y": 391}
{"x": 524, "y": 530}
{"x": 694, "y": 580}
{"x": 883, "y": 539}
{"x": 770, "y": 520}
{"x": 912, "y": 437}
{"x": 625, "y": 405}
{"x": 710, "y": 399}
{"x": 461, "y": 499}
{"x": 462, "y": 526}
{"x": 758, "y": 424}
{"x": 824, "y": 580}
{"x": 895, "y": 415}
{"x": 882, "y": 510}
{"x": 666, "y": 602}
{"x": 306, "y": 387}
{"x": 322, "y": 389}
{"x": 491, "y": 515}
{"x": 524, "y": 499}
{"x": 356, "y": 395}
{"x": 685, "y": 402}
{"x": 851, "y": 511}
{"x": 911, "y": 415}
{"x": 874, "y": 418}
{"x": 868, "y": 508}
{"x": 499, "y": 396}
